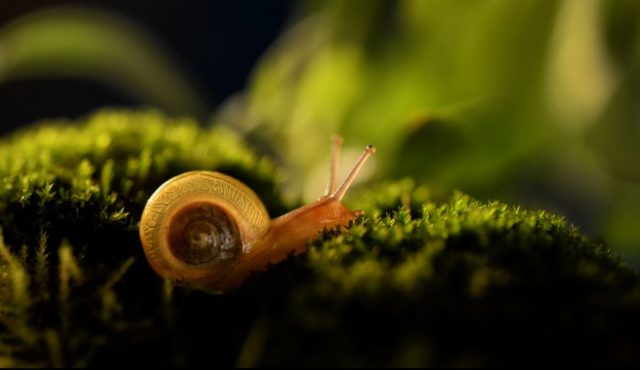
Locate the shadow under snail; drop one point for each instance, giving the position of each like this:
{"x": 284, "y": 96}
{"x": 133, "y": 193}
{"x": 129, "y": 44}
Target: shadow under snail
{"x": 207, "y": 230}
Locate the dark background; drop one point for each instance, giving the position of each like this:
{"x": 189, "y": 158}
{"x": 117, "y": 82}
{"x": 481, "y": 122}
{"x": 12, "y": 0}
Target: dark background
{"x": 217, "y": 43}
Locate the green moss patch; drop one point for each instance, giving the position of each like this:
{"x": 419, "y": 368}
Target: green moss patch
{"x": 419, "y": 280}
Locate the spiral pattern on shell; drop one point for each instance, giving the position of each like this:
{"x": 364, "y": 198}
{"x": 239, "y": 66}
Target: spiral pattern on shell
{"x": 202, "y": 232}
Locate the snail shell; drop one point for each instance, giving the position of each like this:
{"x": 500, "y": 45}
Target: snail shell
{"x": 196, "y": 225}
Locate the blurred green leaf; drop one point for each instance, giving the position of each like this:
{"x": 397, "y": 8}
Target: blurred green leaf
{"x": 370, "y": 79}
{"x": 483, "y": 96}
{"x": 621, "y": 29}
{"x": 99, "y": 45}
{"x": 616, "y": 135}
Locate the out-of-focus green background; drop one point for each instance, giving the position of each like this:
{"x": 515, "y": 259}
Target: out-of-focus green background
{"x": 529, "y": 102}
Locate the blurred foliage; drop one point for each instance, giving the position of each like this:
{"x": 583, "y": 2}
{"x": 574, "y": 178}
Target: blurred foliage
{"x": 522, "y": 103}
{"x": 422, "y": 279}
{"x": 98, "y": 45}
{"x": 402, "y": 67}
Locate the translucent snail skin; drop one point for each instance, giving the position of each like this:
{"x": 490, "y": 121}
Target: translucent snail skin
{"x": 209, "y": 231}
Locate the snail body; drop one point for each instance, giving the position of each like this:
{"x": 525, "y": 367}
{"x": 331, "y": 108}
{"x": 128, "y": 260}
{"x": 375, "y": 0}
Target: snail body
{"x": 208, "y": 230}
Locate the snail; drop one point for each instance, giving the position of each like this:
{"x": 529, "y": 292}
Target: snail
{"x": 209, "y": 231}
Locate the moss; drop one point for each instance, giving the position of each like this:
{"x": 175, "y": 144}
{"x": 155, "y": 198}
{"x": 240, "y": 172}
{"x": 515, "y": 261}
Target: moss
{"x": 462, "y": 283}
{"x": 421, "y": 279}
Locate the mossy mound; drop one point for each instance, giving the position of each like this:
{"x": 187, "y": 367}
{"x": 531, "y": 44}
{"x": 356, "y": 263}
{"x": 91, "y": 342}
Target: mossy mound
{"x": 416, "y": 281}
